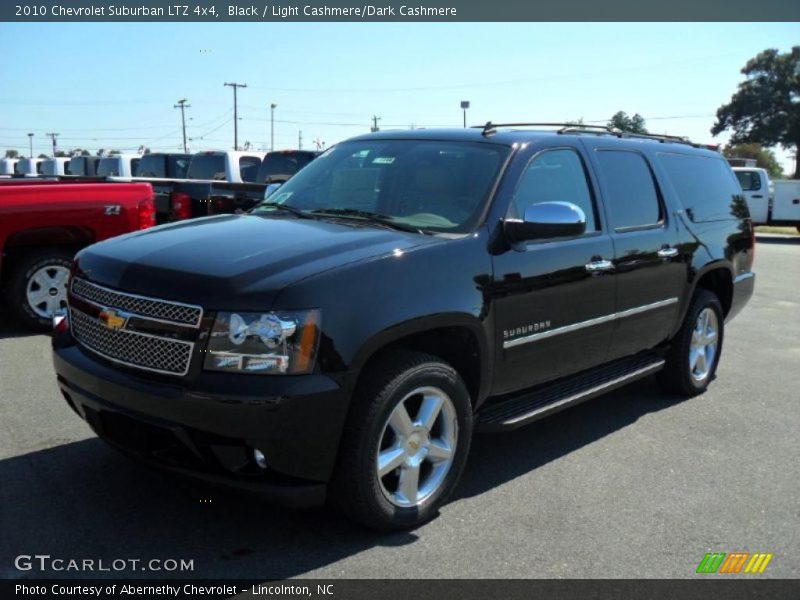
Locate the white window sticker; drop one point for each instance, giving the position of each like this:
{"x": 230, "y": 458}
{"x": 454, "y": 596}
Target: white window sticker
{"x": 383, "y": 160}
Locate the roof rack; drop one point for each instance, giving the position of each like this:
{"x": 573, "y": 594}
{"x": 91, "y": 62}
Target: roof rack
{"x": 490, "y": 129}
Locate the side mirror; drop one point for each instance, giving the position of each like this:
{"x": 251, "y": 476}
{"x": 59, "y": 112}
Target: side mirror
{"x": 270, "y": 189}
{"x": 547, "y": 220}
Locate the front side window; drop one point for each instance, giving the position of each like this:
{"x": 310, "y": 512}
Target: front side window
{"x": 426, "y": 184}
{"x": 630, "y": 195}
{"x": 555, "y": 176}
{"x": 749, "y": 180}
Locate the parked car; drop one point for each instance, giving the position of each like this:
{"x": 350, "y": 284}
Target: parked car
{"x": 345, "y": 338}
{"x": 28, "y": 167}
{"x": 279, "y": 166}
{"x": 42, "y": 225}
{"x": 83, "y": 166}
{"x": 758, "y": 191}
{"x": 55, "y": 166}
{"x": 7, "y": 166}
{"x": 118, "y": 165}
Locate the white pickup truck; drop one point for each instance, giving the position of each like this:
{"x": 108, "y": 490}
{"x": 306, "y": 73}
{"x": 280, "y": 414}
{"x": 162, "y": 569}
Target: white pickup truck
{"x": 770, "y": 202}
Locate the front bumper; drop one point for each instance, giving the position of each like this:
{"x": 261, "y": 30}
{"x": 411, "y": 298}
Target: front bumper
{"x": 208, "y": 427}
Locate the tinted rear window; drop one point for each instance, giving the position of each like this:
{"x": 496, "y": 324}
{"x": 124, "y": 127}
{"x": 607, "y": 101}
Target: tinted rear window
{"x": 151, "y": 165}
{"x": 178, "y": 165}
{"x": 632, "y": 197}
{"x": 706, "y": 186}
{"x": 280, "y": 166}
{"x": 77, "y": 166}
{"x": 108, "y": 167}
{"x": 207, "y": 166}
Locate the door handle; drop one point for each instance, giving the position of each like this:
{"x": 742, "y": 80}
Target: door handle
{"x": 599, "y": 265}
{"x": 757, "y": 196}
{"x": 668, "y": 253}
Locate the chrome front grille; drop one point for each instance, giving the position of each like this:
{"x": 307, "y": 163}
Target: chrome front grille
{"x": 151, "y": 308}
{"x": 100, "y": 324}
{"x": 131, "y": 348}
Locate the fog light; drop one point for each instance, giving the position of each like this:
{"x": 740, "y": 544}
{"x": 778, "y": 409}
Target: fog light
{"x": 261, "y": 460}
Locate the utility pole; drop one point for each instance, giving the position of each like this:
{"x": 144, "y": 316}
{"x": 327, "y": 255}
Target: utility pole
{"x": 272, "y": 108}
{"x": 53, "y": 136}
{"x": 464, "y": 107}
{"x": 235, "y": 86}
{"x": 30, "y": 141}
{"x": 375, "y": 124}
{"x": 299, "y": 140}
{"x": 183, "y": 106}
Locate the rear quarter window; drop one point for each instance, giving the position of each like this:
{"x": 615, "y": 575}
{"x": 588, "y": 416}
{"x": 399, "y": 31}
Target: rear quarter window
{"x": 705, "y": 185}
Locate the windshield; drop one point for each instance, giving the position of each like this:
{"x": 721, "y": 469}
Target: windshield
{"x": 427, "y": 184}
{"x": 207, "y": 166}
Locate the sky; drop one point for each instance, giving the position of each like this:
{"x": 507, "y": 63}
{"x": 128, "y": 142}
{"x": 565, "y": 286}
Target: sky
{"x": 114, "y": 86}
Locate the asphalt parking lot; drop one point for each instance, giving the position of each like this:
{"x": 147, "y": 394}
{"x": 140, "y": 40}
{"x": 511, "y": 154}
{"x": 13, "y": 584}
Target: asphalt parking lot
{"x": 634, "y": 484}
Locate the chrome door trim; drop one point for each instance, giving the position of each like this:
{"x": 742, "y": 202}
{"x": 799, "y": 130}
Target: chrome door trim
{"x": 590, "y": 323}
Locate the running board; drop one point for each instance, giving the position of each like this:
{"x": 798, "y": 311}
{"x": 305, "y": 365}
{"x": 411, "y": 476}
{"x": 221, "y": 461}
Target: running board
{"x": 569, "y": 391}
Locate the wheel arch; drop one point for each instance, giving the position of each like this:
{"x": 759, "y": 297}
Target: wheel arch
{"x": 458, "y": 339}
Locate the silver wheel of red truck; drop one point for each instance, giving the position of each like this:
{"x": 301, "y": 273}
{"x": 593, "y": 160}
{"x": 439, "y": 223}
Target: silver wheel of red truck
{"x": 38, "y": 287}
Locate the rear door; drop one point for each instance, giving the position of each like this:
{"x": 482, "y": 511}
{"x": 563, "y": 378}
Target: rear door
{"x": 650, "y": 272}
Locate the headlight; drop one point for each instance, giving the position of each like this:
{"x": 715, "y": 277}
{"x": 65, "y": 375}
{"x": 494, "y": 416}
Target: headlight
{"x": 271, "y": 343}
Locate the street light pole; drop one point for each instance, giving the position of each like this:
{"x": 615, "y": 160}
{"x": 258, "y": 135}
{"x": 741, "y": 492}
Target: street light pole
{"x": 272, "y": 108}
{"x": 30, "y": 141}
{"x": 464, "y": 107}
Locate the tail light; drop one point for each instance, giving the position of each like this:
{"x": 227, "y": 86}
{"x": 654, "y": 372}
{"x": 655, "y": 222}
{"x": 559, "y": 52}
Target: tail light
{"x": 147, "y": 213}
{"x": 181, "y": 206}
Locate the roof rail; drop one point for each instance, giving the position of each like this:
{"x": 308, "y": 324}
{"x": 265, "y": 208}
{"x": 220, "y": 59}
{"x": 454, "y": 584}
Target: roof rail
{"x": 491, "y": 128}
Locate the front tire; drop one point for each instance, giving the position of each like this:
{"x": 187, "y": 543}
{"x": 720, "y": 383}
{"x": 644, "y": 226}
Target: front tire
{"x": 37, "y": 287}
{"x": 693, "y": 358}
{"x": 405, "y": 443}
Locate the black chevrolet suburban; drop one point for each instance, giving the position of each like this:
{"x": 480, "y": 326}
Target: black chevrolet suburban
{"x": 345, "y": 338}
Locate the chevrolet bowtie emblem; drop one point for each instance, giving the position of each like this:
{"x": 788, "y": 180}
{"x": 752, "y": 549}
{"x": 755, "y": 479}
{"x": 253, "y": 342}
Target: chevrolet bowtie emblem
{"x": 112, "y": 319}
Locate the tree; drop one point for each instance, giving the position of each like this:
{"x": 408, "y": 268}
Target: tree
{"x": 43, "y": 156}
{"x": 765, "y": 158}
{"x": 623, "y": 122}
{"x": 12, "y": 154}
{"x": 766, "y": 107}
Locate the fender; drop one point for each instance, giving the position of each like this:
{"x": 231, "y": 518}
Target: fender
{"x": 697, "y": 275}
{"x": 396, "y": 332}
{"x": 51, "y": 236}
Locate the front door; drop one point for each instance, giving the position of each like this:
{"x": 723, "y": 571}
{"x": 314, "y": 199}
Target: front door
{"x": 553, "y": 314}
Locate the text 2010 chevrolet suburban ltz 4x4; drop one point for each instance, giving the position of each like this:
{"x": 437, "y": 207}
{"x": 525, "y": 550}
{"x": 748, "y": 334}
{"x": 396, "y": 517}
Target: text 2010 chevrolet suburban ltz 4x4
{"x": 345, "y": 338}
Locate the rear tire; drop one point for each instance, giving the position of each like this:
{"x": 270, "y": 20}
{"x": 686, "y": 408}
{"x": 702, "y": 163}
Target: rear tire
{"x": 405, "y": 443}
{"x": 693, "y": 357}
{"x": 37, "y": 288}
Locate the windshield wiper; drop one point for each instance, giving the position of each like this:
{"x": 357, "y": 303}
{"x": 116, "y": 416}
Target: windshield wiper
{"x": 367, "y": 216}
{"x": 285, "y": 207}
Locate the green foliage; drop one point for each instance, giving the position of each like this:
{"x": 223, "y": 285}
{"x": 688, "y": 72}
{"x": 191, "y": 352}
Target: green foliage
{"x": 766, "y": 107}
{"x": 12, "y": 154}
{"x": 623, "y": 122}
{"x": 765, "y": 158}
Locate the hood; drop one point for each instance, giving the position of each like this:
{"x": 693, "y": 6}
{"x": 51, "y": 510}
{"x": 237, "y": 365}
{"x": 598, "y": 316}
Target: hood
{"x": 236, "y": 262}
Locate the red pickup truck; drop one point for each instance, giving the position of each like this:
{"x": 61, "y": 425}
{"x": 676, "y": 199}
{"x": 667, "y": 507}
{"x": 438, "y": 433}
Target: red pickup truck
{"x": 42, "y": 226}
